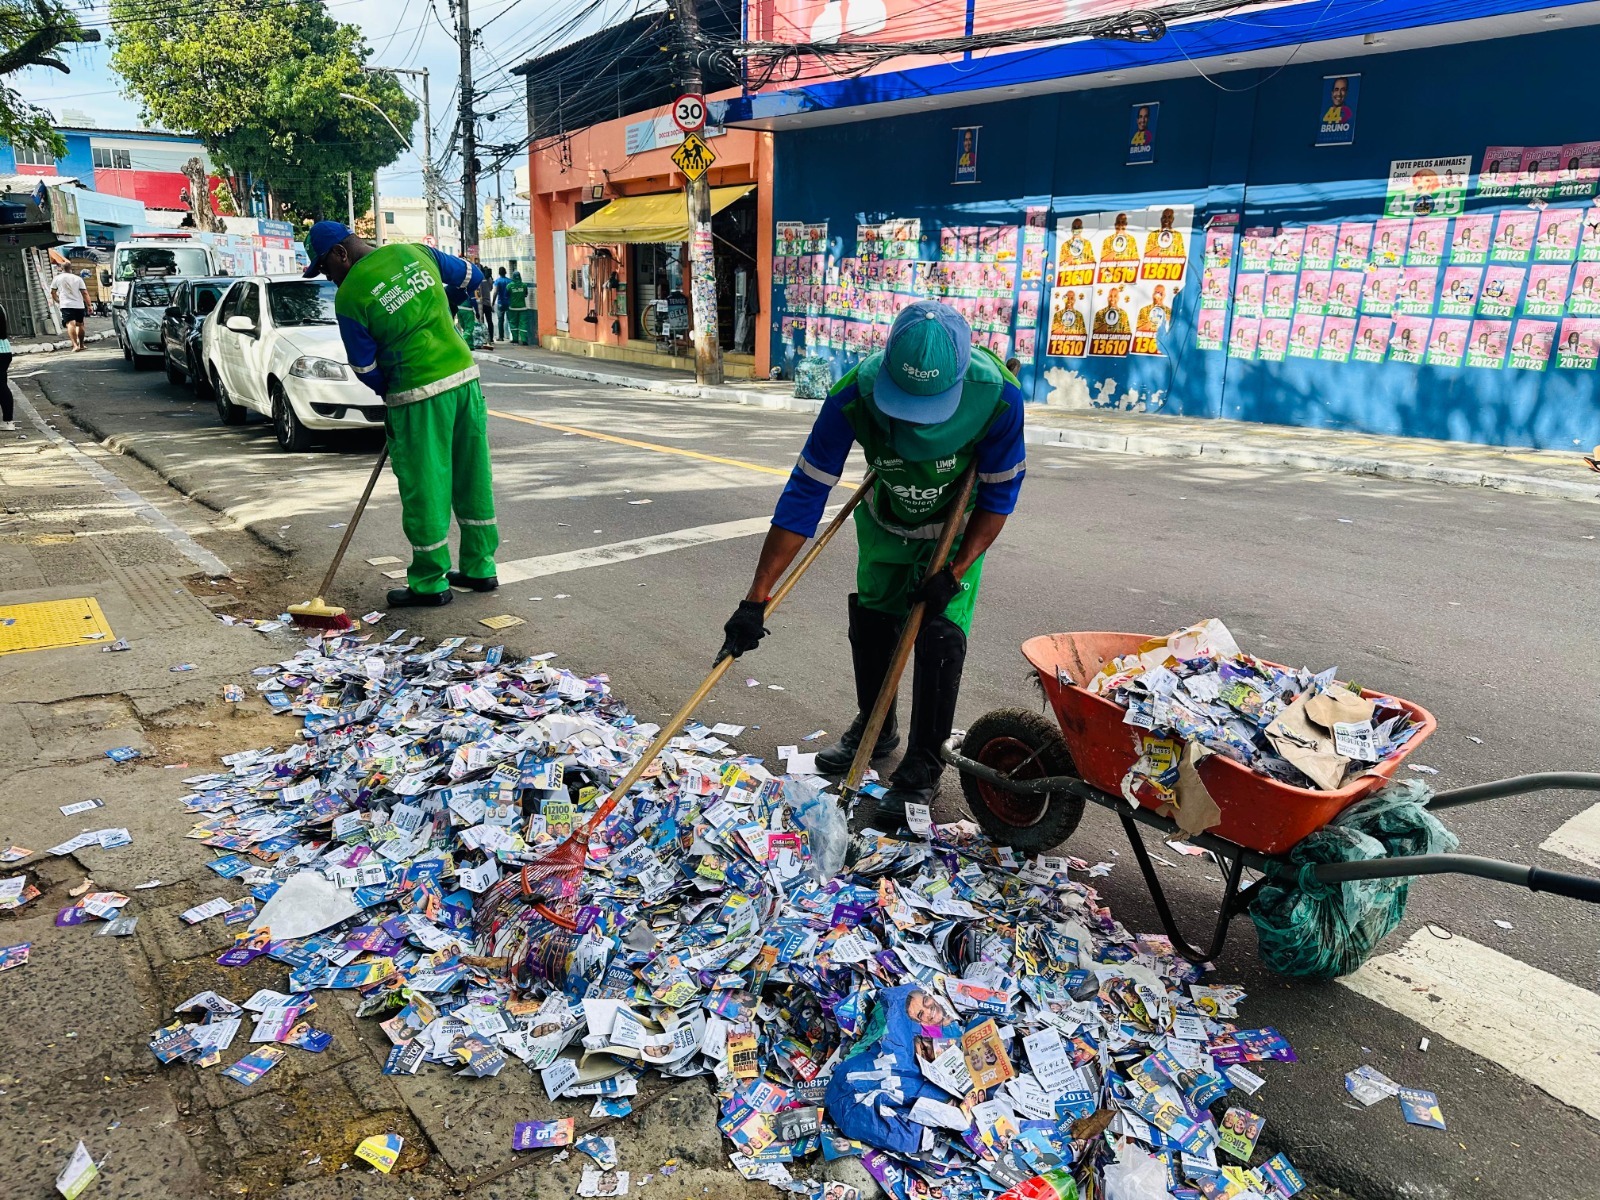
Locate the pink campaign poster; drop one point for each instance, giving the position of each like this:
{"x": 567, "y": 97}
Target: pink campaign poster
{"x": 1558, "y": 235}
{"x": 1487, "y": 344}
{"x": 1579, "y": 346}
{"x": 1305, "y": 335}
{"x": 1344, "y": 293}
{"x": 1530, "y": 344}
{"x": 1589, "y": 242}
{"x": 1219, "y": 246}
{"x": 1447, "y": 342}
{"x": 1541, "y": 167}
{"x": 1242, "y": 337}
{"x": 1513, "y": 235}
{"x": 1214, "y": 287}
{"x": 1313, "y": 295}
{"x": 1288, "y": 248}
{"x": 1321, "y": 242}
{"x": 1469, "y": 240}
{"x": 1417, "y": 288}
{"x": 1378, "y": 296}
{"x": 1337, "y": 334}
{"x": 1247, "y": 295}
{"x": 1355, "y": 245}
{"x": 1502, "y": 288}
{"x": 1273, "y": 341}
{"x": 1502, "y": 167}
{"x": 1428, "y": 235}
{"x": 1389, "y": 239}
{"x": 1408, "y": 340}
{"x": 1459, "y": 296}
{"x": 1279, "y": 300}
{"x": 1208, "y": 329}
{"x": 1547, "y": 290}
{"x": 1585, "y": 298}
{"x": 1580, "y": 170}
{"x": 1372, "y": 340}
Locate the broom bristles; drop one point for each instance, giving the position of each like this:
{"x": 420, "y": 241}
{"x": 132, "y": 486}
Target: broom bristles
{"x": 315, "y": 614}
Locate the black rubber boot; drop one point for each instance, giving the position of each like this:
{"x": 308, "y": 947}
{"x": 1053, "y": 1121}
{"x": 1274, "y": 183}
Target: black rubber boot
{"x": 473, "y": 582}
{"x": 935, "y": 687}
{"x": 872, "y": 639}
{"x": 406, "y": 598}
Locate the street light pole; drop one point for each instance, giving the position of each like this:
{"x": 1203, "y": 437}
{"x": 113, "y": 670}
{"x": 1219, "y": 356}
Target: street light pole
{"x": 377, "y": 217}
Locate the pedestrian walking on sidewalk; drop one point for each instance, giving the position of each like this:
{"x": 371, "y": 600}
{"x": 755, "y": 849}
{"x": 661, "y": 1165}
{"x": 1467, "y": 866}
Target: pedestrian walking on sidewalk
{"x": 502, "y": 304}
{"x": 71, "y": 296}
{"x": 395, "y": 305}
{"x": 923, "y": 409}
{"x": 7, "y": 400}
{"x": 485, "y": 298}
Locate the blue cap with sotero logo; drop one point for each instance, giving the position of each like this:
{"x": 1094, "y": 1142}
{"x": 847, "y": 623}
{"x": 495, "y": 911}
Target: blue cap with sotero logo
{"x": 324, "y": 236}
{"x": 924, "y": 364}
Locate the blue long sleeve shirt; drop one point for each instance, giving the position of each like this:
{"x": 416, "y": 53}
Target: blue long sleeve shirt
{"x": 1002, "y": 462}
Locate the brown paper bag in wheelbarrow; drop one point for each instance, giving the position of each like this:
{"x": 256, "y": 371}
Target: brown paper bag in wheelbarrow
{"x": 1308, "y": 746}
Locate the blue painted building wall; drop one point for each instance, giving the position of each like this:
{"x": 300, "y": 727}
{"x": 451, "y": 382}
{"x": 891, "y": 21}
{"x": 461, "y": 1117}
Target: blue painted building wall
{"x": 1242, "y": 145}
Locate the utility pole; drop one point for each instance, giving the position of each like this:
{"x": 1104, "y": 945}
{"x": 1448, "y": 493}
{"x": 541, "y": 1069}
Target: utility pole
{"x": 377, "y": 217}
{"x": 469, "y": 134}
{"x": 702, "y": 267}
{"x": 430, "y": 181}
{"x": 350, "y": 196}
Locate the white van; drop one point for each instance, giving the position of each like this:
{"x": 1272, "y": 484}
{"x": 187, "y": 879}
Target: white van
{"x": 150, "y": 255}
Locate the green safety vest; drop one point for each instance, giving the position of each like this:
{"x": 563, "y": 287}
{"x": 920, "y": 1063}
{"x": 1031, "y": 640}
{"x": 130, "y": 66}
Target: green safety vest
{"x": 918, "y": 466}
{"x": 517, "y": 294}
{"x": 397, "y": 294}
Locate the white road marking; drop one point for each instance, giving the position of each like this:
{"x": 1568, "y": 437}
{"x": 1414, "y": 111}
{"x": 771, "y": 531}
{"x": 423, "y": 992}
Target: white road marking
{"x": 616, "y": 552}
{"x": 1579, "y": 838}
{"x": 1533, "y": 1024}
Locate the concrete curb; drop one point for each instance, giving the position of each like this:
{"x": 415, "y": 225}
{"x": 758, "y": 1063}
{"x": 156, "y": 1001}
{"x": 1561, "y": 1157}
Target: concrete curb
{"x": 51, "y": 347}
{"x": 181, "y": 480}
{"x": 1142, "y": 444}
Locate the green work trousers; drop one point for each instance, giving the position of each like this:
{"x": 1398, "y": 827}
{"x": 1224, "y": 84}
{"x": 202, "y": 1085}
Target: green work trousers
{"x": 439, "y": 448}
{"x": 890, "y": 567}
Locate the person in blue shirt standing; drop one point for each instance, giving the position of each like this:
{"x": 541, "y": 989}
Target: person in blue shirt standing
{"x": 923, "y": 409}
{"x": 502, "y": 303}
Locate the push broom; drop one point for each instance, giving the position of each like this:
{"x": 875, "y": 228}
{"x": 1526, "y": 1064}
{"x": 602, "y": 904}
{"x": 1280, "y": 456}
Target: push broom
{"x": 559, "y": 873}
{"x": 318, "y": 614}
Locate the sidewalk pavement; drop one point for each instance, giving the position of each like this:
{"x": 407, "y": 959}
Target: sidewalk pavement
{"x": 96, "y": 329}
{"x": 1529, "y": 472}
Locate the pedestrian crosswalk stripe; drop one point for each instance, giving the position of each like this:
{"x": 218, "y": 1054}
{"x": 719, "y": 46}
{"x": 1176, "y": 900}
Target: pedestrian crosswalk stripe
{"x": 1534, "y": 1024}
{"x": 1578, "y": 839}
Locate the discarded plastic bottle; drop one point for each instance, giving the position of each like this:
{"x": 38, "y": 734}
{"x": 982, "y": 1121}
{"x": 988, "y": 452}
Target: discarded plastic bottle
{"x": 1052, "y": 1185}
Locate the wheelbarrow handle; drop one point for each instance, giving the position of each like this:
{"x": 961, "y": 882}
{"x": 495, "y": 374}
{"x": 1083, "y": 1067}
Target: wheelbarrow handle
{"x": 1560, "y": 883}
{"x": 1517, "y": 785}
{"x": 1535, "y": 879}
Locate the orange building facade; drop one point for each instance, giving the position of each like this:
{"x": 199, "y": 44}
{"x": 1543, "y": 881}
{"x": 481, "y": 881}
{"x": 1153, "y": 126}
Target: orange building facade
{"x": 610, "y": 233}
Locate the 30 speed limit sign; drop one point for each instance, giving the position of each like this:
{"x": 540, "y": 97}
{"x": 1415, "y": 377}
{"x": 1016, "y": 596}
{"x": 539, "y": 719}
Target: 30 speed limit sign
{"x": 689, "y": 112}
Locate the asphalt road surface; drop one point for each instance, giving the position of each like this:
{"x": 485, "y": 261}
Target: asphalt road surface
{"x": 631, "y": 522}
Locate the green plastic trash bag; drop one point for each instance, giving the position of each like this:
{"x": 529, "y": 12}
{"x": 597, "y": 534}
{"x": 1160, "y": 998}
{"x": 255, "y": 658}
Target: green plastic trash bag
{"x": 1313, "y": 930}
{"x": 812, "y": 378}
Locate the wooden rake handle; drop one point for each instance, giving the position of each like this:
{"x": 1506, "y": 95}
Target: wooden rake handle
{"x": 908, "y": 638}
{"x": 681, "y": 717}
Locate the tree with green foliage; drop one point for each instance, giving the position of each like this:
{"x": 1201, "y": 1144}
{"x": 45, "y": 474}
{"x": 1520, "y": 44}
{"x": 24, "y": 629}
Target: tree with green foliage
{"x": 31, "y": 33}
{"x": 263, "y": 83}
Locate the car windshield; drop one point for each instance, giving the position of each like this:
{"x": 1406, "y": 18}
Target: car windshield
{"x": 151, "y": 293}
{"x": 302, "y": 303}
{"x": 136, "y": 261}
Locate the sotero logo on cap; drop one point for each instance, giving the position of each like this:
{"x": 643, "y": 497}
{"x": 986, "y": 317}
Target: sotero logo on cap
{"x": 918, "y": 373}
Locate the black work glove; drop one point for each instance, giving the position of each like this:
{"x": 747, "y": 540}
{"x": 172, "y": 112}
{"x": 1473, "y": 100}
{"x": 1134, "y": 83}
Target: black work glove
{"x": 937, "y": 591}
{"x": 744, "y": 629}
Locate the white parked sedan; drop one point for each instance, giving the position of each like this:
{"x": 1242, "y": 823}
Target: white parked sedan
{"x": 272, "y": 345}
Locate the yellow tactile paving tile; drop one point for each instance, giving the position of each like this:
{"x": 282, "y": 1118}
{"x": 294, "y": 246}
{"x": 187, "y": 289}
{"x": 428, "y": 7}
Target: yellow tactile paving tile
{"x": 52, "y": 623}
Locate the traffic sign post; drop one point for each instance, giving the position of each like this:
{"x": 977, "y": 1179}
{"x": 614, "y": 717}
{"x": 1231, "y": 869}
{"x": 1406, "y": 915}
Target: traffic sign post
{"x": 689, "y": 112}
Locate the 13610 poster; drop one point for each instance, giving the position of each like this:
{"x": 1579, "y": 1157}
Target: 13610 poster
{"x": 1118, "y": 274}
{"x": 1337, "y": 126}
{"x": 1428, "y": 187}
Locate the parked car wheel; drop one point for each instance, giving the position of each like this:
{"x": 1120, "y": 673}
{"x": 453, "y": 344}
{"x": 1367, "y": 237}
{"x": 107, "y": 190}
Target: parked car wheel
{"x": 127, "y": 351}
{"x": 293, "y": 436}
{"x": 229, "y": 412}
{"x": 197, "y": 376}
{"x": 175, "y": 375}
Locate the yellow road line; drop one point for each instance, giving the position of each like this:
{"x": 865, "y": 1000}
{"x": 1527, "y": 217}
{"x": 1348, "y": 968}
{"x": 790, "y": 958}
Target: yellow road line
{"x": 659, "y": 449}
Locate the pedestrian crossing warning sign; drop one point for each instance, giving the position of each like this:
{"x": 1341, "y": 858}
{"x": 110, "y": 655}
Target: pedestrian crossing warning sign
{"x": 693, "y": 156}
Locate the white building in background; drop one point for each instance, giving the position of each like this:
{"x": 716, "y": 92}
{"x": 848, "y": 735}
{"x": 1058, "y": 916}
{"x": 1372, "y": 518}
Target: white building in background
{"x": 405, "y": 219}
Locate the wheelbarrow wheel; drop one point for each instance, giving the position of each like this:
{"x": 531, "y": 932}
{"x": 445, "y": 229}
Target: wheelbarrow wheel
{"x": 1021, "y": 745}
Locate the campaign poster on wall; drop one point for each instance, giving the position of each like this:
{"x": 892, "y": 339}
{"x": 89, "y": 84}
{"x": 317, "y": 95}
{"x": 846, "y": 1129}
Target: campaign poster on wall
{"x": 1447, "y": 342}
{"x": 1126, "y": 268}
{"x": 1312, "y": 298}
{"x": 1502, "y": 288}
{"x": 1372, "y": 340}
{"x": 1428, "y": 187}
{"x": 1111, "y": 335}
{"x": 1427, "y": 245}
{"x": 1558, "y": 235}
{"x": 1344, "y": 293}
{"x": 1242, "y": 337}
{"x": 1502, "y": 167}
{"x": 1305, "y": 335}
{"x": 1219, "y": 246}
{"x": 1579, "y": 346}
{"x": 1142, "y": 120}
{"x": 1469, "y": 239}
{"x": 1255, "y": 247}
{"x": 1408, "y": 339}
{"x": 1214, "y": 287}
{"x": 1337, "y": 335}
{"x": 1530, "y": 344}
{"x": 1537, "y": 177}
{"x": 1585, "y": 298}
{"x": 1069, "y": 326}
{"x": 1513, "y": 235}
{"x": 1250, "y": 295}
{"x": 1417, "y": 287}
{"x": 1208, "y": 329}
{"x": 1487, "y": 344}
{"x": 1273, "y": 341}
{"x": 1580, "y": 170}
{"x": 1547, "y": 290}
{"x": 967, "y": 154}
{"x": 1459, "y": 296}
{"x": 1279, "y": 295}
{"x": 1355, "y": 245}
{"x": 1287, "y": 249}
{"x": 1337, "y": 124}
{"x": 1321, "y": 243}
{"x": 1378, "y": 297}
{"x": 1389, "y": 239}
